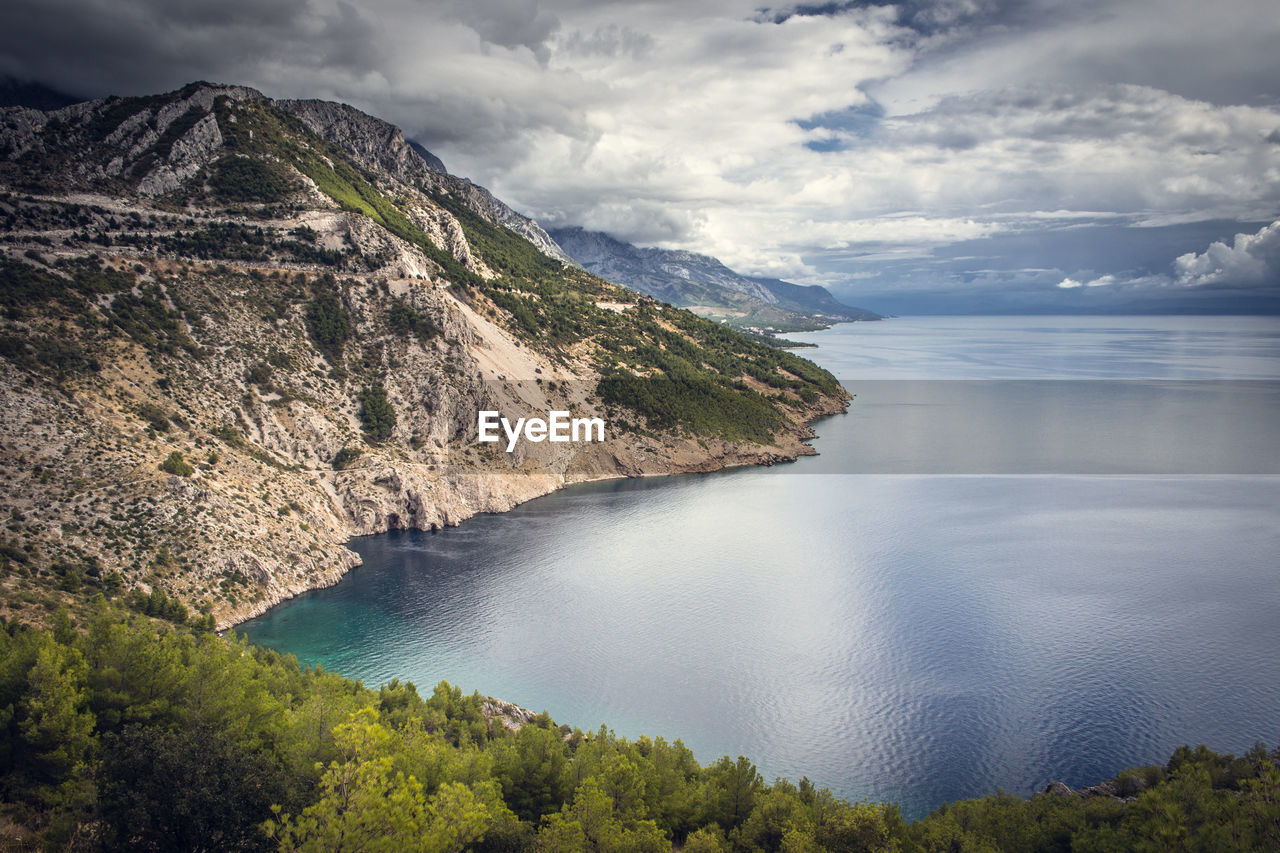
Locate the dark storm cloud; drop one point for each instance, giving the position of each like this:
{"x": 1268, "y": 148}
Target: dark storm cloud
{"x": 611, "y": 40}
{"x": 1220, "y": 53}
{"x": 135, "y": 46}
{"x": 509, "y": 23}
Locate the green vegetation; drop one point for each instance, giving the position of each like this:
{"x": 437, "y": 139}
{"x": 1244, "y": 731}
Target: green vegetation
{"x": 75, "y": 281}
{"x": 352, "y": 192}
{"x": 147, "y": 318}
{"x": 175, "y": 464}
{"x": 261, "y": 130}
{"x": 328, "y": 322}
{"x": 140, "y": 312}
{"x": 99, "y": 299}
{"x": 141, "y": 729}
{"x": 234, "y": 242}
{"x": 680, "y": 371}
{"x": 377, "y": 415}
{"x": 691, "y": 400}
{"x": 154, "y": 416}
{"x": 403, "y": 320}
{"x": 676, "y": 370}
{"x": 345, "y": 457}
{"x": 129, "y": 734}
{"x": 158, "y": 604}
{"x": 671, "y": 370}
{"x": 249, "y": 179}
{"x": 40, "y": 353}
{"x": 507, "y": 253}
{"x": 259, "y": 374}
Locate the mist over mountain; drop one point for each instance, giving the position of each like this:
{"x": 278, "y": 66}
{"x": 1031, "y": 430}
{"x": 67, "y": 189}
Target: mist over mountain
{"x": 34, "y": 95}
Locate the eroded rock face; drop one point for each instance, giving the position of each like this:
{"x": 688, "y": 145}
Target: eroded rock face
{"x": 265, "y": 514}
{"x": 189, "y": 154}
{"x": 483, "y": 202}
{"x": 507, "y": 714}
{"x": 19, "y": 131}
{"x": 379, "y": 145}
{"x": 126, "y": 151}
{"x": 376, "y": 144}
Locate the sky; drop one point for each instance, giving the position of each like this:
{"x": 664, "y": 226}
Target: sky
{"x": 925, "y": 157}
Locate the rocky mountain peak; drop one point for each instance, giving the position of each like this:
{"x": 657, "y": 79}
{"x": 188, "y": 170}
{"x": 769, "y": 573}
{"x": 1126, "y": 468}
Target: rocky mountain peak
{"x": 433, "y": 162}
{"x": 375, "y": 144}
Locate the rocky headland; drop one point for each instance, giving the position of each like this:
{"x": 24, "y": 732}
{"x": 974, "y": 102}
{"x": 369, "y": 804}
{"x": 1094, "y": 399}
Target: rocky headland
{"x": 238, "y": 332}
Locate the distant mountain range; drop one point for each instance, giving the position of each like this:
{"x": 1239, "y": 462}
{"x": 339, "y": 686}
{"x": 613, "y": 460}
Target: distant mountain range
{"x": 706, "y": 286}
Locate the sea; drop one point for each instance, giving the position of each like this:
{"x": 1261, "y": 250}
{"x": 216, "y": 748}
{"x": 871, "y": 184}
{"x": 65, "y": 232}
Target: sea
{"x": 1034, "y": 549}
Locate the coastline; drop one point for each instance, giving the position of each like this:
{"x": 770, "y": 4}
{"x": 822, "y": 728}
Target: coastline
{"x": 597, "y": 464}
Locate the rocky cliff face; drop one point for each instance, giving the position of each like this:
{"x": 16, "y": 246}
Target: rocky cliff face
{"x": 237, "y": 333}
{"x": 380, "y": 146}
{"x": 375, "y": 144}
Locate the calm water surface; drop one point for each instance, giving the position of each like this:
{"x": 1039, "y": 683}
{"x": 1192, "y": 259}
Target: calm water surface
{"x": 986, "y": 583}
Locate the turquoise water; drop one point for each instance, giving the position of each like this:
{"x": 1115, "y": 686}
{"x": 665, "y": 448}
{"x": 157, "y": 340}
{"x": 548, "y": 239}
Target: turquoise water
{"x": 978, "y": 584}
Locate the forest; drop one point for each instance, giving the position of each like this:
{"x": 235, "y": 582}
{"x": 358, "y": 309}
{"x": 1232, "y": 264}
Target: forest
{"x": 124, "y": 732}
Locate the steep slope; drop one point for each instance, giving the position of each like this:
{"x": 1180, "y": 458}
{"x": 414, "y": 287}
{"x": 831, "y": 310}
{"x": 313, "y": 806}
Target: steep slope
{"x": 706, "y": 286}
{"x": 381, "y": 147}
{"x": 433, "y": 162}
{"x": 238, "y": 332}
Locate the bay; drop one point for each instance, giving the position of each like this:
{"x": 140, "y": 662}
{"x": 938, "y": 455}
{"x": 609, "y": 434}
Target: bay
{"x": 1058, "y": 566}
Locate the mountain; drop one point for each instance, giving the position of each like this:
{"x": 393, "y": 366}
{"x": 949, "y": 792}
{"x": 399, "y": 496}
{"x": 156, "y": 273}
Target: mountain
{"x": 26, "y": 93}
{"x": 433, "y": 162}
{"x": 813, "y": 299}
{"x": 236, "y": 332}
{"x": 706, "y": 286}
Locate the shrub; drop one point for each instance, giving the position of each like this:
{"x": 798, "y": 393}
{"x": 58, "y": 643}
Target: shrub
{"x": 175, "y": 464}
{"x": 259, "y": 374}
{"x": 403, "y": 320}
{"x": 377, "y": 415}
{"x": 345, "y": 457}
{"x": 247, "y": 179}
{"x": 154, "y": 415}
{"x": 329, "y": 324}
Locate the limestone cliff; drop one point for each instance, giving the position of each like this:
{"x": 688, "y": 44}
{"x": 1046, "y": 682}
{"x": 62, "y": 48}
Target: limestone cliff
{"x": 237, "y": 333}
{"x": 380, "y": 146}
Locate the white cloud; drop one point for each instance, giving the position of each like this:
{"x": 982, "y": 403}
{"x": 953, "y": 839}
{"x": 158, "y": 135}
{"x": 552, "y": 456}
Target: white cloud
{"x": 1251, "y": 259}
{"x": 1100, "y": 281}
{"x": 880, "y": 133}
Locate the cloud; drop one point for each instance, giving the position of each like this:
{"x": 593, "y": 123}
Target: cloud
{"x": 1100, "y": 281}
{"x": 1250, "y": 260}
{"x": 509, "y": 23}
{"x": 137, "y": 46}
{"x": 823, "y": 141}
{"x": 928, "y": 17}
{"x": 1218, "y": 53}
